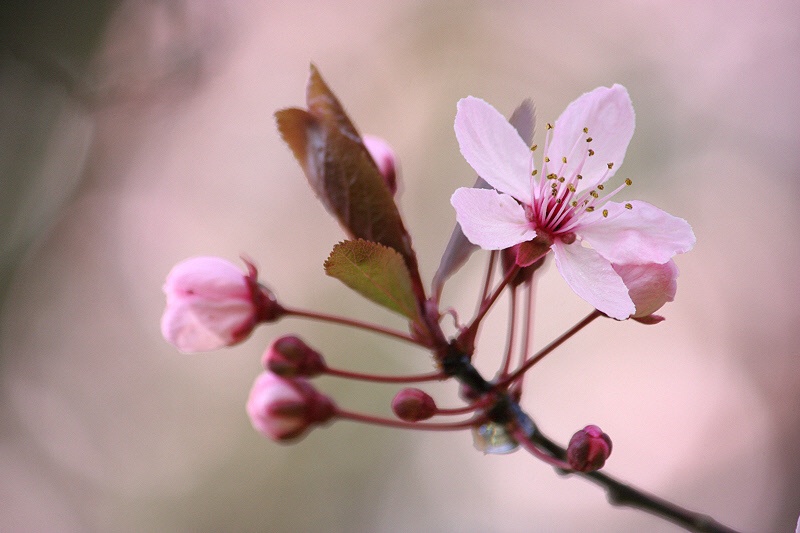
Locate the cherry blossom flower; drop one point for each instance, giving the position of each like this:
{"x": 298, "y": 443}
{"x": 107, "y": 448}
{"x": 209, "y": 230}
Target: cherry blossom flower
{"x": 283, "y": 409}
{"x": 564, "y": 207}
{"x": 211, "y": 303}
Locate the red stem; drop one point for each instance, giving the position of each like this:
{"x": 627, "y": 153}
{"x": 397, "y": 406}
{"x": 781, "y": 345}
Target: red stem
{"x": 353, "y": 323}
{"x": 418, "y": 378}
{"x": 549, "y": 348}
{"x": 430, "y": 426}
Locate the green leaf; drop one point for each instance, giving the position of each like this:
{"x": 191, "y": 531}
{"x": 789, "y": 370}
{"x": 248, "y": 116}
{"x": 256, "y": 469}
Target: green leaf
{"x": 376, "y": 272}
{"x": 340, "y": 170}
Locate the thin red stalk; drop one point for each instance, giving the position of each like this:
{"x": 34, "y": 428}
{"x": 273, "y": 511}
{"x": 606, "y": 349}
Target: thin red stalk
{"x": 527, "y": 320}
{"x": 353, "y": 323}
{"x": 523, "y": 439}
{"x": 429, "y": 426}
{"x": 512, "y": 321}
{"x": 487, "y": 282}
{"x": 462, "y": 410}
{"x": 489, "y": 302}
{"x": 418, "y": 378}
{"x": 549, "y": 348}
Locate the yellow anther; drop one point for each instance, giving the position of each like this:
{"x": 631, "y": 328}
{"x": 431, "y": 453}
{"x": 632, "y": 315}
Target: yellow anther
{"x": 559, "y": 200}
{"x": 546, "y": 159}
{"x": 591, "y": 152}
{"x": 605, "y": 213}
{"x": 628, "y": 206}
{"x": 610, "y": 165}
{"x": 534, "y": 172}
{"x": 588, "y": 139}
{"x": 585, "y": 130}
{"x": 561, "y": 179}
{"x": 554, "y": 192}
{"x": 549, "y": 126}
{"x": 574, "y": 203}
{"x": 628, "y": 182}
{"x": 579, "y": 177}
{"x": 534, "y": 147}
{"x": 571, "y": 187}
{"x": 590, "y": 209}
{"x": 564, "y": 159}
{"x": 594, "y": 194}
{"x": 552, "y": 176}
{"x": 601, "y": 186}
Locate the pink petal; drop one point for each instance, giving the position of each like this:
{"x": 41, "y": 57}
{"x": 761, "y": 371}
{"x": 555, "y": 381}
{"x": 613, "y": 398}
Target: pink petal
{"x": 608, "y": 115}
{"x": 650, "y": 286}
{"x": 643, "y": 234}
{"x": 490, "y": 219}
{"x": 593, "y": 279}
{"x": 492, "y": 146}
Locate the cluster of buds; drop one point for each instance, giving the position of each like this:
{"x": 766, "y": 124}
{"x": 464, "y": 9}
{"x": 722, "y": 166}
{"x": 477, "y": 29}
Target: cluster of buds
{"x": 626, "y": 271}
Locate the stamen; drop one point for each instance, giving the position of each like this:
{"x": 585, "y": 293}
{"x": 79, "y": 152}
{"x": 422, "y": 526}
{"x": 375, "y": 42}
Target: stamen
{"x": 564, "y": 160}
{"x": 601, "y": 186}
{"x": 546, "y": 159}
{"x": 534, "y": 147}
{"x": 561, "y": 179}
{"x": 585, "y": 130}
{"x": 579, "y": 177}
{"x": 534, "y": 172}
{"x": 588, "y": 139}
{"x": 549, "y": 126}
{"x": 590, "y": 209}
{"x": 628, "y": 181}
{"x": 610, "y": 166}
{"x": 591, "y": 152}
{"x": 594, "y": 194}
{"x": 605, "y": 213}
{"x": 628, "y": 206}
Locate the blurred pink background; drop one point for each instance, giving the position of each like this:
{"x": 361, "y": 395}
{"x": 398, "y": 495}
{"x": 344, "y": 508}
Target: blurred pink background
{"x": 155, "y": 141}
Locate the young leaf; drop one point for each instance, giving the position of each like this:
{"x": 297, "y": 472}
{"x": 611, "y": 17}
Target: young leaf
{"x": 340, "y": 170}
{"x": 458, "y": 247}
{"x": 376, "y": 272}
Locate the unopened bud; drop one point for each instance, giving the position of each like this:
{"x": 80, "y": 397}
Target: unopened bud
{"x": 650, "y": 285}
{"x": 211, "y": 303}
{"x": 283, "y": 409}
{"x": 588, "y": 449}
{"x": 289, "y": 356}
{"x": 413, "y": 405}
{"x": 384, "y": 158}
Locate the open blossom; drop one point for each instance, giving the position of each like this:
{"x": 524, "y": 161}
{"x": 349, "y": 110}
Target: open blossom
{"x": 565, "y": 206}
{"x": 211, "y": 303}
{"x": 284, "y": 408}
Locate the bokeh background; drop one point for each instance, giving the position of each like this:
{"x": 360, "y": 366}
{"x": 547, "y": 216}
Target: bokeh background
{"x": 134, "y": 134}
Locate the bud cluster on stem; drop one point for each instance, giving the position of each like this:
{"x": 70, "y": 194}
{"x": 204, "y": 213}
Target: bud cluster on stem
{"x": 617, "y": 257}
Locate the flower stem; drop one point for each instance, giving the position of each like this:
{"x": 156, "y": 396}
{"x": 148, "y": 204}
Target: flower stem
{"x": 429, "y": 426}
{"x": 512, "y": 321}
{"x": 352, "y": 323}
{"x": 418, "y": 378}
{"x": 549, "y": 348}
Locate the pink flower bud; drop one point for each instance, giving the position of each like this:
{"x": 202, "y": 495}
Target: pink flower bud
{"x": 413, "y": 405}
{"x": 283, "y": 409}
{"x": 289, "y": 356}
{"x": 588, "y": 449}
{"x": 650, "y": 286}
{"x": 211, "y": 303}
{"x": 384, "y": 158}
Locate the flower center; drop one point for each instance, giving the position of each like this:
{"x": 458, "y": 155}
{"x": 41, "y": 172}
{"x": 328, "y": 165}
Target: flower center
{"x": 559, "y": 201}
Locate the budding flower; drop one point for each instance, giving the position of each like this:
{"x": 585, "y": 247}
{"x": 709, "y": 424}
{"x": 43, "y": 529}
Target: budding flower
{"x": 650, "y": 285}
{"x": 289, "y": 356}
{"x": 384, "y": 158}
{"x": 211, "y": 303}
{"x": 413, "y": 405}
{"x": 283, "y": 409}
{"x": 588, "y": 449}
